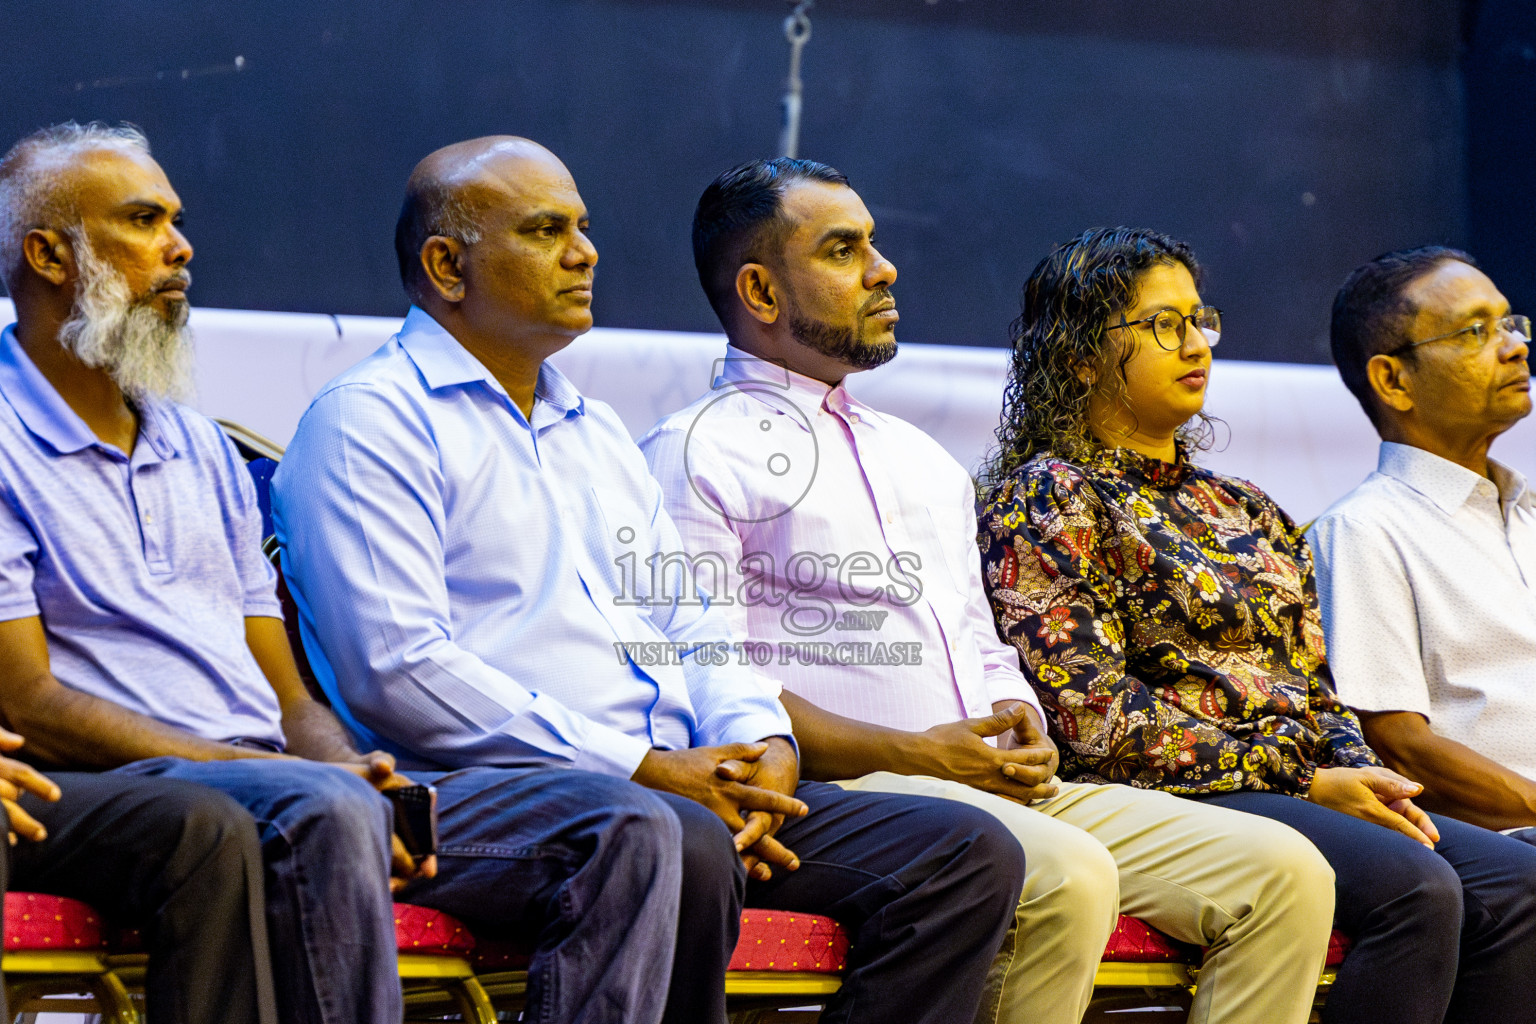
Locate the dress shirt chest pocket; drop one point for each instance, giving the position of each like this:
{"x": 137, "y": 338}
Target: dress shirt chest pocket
{"x": 954, "y": 531}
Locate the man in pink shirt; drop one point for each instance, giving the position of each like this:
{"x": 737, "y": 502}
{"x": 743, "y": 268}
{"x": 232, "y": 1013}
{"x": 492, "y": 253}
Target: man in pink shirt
{"x": 840, "y": 542}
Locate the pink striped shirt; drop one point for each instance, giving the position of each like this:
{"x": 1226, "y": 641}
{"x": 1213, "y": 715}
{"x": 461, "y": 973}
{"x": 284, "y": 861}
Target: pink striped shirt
{"x": 841, "y": 544}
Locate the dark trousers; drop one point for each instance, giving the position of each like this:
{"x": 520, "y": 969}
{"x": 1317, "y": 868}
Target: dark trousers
{"x": 1525, "y": 835}
{"x": 1445, "y": 934}
{"x": 633, "y": 898}
{"x": 926, "y": 889}
{"x": 175, "y": 859}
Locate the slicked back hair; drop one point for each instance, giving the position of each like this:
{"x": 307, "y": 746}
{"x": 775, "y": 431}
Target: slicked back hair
{"x": 1372, "y": 310}
{"x": 1065, "y": 307}
{"x": 430, "y": 208}
{"x": 740, "y": 220}
{"x": 29, "y": 194}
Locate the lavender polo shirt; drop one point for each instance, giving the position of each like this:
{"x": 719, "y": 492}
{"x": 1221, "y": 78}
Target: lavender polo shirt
{"x": 143, "y": 568}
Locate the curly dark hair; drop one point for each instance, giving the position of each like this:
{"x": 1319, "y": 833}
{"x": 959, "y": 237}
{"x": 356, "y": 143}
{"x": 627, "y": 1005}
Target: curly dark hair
{"x": 1067, "y": 302}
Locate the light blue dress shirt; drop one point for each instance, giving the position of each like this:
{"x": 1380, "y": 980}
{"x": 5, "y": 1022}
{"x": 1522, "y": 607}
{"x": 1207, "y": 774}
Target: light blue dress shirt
{"x": 142, "y": 568}
{"x": 466, "y": 580}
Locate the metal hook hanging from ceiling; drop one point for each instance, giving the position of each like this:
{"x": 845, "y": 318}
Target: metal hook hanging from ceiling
{"x": 797, "y": 29}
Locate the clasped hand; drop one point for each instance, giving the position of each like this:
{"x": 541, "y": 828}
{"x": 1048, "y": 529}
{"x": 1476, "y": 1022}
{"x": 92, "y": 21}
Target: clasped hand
{"x": 746, "y": 785}
{"x": 1020, "y": 768}
{"x": 1378, "y": 795}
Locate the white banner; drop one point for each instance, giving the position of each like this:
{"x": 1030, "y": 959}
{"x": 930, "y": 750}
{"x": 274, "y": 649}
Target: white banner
{"x": 1292, "y": 429}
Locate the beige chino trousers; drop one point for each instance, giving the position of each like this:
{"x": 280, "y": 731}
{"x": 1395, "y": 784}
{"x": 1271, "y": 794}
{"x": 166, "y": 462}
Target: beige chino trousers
{"x": 1255, "y": 892}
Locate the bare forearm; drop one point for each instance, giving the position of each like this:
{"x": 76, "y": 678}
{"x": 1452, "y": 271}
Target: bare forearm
{"x": 313, "y": 732}
{"x": 1457, "y": 780}
{"x": 833, "y": 747}
{"x": 70, "y": 729}
{"x": 311, "y": 728}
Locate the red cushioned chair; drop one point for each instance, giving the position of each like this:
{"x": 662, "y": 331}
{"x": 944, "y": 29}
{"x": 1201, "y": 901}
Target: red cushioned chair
{"x": 1143, "y": 967}
{"x": 782, "y": 959}
{"x": 56, "y": 950}
{"x": 434, "y": 949}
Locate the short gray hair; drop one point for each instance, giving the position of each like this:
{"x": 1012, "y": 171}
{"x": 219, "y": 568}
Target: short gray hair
{"x": 431, "y": 208}
{"x": 29, "y": 197}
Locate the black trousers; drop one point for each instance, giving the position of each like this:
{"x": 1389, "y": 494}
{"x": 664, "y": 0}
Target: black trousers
{"x": 1444, "y": 934}
{"x": 178, "y": 860}
{"x": 926, "y": 889}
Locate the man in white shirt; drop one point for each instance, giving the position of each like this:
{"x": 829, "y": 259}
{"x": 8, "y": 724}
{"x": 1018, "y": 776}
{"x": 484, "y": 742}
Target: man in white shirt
{"x": 840, "y": 542}
{"x": 1427, "y": 571}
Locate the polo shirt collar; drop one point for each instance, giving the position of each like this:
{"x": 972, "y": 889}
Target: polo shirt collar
{"x": 444, "y": 363}
{"x": 43, "y": 411}
{"x": 1443, "y": 481}
{"x": 153, "y": 421}
{"x": 740, "y": 367}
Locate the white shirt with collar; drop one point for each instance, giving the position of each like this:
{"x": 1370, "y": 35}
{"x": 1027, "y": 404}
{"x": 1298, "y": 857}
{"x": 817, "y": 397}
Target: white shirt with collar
{"x": 1426, "y": 574}
{"x": 844, "y": 540}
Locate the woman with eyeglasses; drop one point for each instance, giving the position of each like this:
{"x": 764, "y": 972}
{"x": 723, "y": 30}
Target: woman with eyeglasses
{"x": 1170, "y": 618}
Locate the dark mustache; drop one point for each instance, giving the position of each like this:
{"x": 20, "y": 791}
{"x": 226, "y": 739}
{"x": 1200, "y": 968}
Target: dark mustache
{"x": 877, "y": 299}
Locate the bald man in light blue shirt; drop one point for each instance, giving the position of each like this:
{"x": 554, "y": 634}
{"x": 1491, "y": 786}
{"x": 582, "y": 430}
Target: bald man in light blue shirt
{"x": 465, "y": 535}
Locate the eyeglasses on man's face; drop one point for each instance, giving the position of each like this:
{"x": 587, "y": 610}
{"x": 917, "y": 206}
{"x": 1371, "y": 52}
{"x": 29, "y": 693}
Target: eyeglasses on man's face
{"x": 1169, "y": 326}
{"x": 1476, "y": 336}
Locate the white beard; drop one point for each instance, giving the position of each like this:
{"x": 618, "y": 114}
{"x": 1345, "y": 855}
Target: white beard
{"x": 146, "y": 355}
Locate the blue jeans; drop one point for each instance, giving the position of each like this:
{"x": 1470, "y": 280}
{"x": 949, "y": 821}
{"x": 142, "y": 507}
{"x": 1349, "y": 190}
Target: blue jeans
{"x": 585, "y": 868}
{"x": 633, "y": 898}
{"x": 325, "y": 849}
{"x": 1444, "y": 934}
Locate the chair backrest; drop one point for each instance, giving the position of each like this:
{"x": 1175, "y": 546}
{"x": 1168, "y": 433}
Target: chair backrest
{"x": 261, "y": 456}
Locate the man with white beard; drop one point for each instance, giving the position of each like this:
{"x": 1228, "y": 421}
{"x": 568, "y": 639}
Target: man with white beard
{"x": 141, "y": 641}
{"x": 145, "y": 352}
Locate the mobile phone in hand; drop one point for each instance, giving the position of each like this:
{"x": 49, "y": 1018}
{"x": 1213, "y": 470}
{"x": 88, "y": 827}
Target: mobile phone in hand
{"x": 415, "y": 818}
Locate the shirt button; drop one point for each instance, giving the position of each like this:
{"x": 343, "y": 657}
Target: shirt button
{"x": 149, "y": 517}
{"x": 853, "y": 417}
{"x": 890, "y": 517}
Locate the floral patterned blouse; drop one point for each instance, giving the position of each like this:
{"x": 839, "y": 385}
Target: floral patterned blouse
{"x": 1170, "y": 617}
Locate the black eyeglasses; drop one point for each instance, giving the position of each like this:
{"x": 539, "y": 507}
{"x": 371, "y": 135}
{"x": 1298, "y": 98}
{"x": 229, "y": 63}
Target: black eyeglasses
{"x": 1169, "y": 326}
{"x": 1482, "y": 332}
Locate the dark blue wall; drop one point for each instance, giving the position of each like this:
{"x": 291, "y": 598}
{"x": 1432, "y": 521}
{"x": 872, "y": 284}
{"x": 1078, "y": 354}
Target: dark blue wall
{"x": 1500, "y": 71}
{"x": 1286, "y": 139}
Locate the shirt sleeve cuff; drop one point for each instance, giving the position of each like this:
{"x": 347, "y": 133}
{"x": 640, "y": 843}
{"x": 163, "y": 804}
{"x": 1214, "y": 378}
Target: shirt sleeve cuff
{"x": 610, "y": 752}
{"x": 1014, "y": 689}
{"x": 21, "y": 607}
{"x": 771, "y": 685}
{"x": 1355, "y": 757}
{"x": 265, "y": 608}
{"x": 753, "y": 728}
